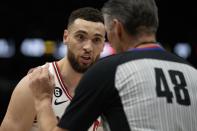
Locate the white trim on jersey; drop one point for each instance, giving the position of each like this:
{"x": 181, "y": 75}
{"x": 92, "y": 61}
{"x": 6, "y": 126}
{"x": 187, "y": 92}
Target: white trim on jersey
{"x": 58, "y": 75}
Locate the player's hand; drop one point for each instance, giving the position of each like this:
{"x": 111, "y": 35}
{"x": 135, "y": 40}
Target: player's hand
{"x": 41, "y": 83}
{"x": 31, "y": 70}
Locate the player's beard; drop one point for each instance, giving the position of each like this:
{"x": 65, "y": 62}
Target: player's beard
{"x": 76, "y": 65}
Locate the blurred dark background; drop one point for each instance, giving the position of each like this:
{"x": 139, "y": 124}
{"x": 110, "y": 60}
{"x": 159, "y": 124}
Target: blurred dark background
{"x": 47, "y": 20}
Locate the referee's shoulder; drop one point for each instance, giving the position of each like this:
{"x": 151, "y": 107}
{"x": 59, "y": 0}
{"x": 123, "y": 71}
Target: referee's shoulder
{"x": 110, "y": 60}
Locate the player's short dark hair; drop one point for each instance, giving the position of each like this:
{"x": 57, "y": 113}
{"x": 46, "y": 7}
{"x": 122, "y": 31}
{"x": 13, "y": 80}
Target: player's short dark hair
{"x": 86, "y": 13}
{"x": 135, "y": 15}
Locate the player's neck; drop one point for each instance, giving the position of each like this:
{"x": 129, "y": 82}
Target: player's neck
{"x": 70, "y": 76}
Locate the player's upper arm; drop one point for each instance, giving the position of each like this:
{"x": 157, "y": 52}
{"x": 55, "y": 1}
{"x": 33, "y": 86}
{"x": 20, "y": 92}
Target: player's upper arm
{"x": 21, "y": 111}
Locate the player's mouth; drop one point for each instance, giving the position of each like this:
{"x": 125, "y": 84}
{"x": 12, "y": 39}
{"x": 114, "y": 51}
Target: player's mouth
{"x": 86, "y": 60}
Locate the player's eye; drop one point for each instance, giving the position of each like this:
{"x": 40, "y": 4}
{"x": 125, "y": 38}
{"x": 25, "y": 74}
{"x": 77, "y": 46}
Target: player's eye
{"x": 80, "y": 37}
{"x": 97, "y": 40}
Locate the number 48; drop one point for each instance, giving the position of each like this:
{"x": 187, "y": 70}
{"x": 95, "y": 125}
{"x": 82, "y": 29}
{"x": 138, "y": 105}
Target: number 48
{"x": 179, "y": 86}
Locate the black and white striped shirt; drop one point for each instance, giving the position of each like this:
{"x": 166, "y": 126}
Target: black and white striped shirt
{"x": 146, "y": 89}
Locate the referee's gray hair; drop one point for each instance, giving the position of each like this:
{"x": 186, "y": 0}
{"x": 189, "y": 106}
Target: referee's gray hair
{"x": 137, "y": 16}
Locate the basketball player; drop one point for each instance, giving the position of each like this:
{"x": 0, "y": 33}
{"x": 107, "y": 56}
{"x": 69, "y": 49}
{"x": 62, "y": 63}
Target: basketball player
{"x": 143, "y": 88}
{"x": 85, "y": 40}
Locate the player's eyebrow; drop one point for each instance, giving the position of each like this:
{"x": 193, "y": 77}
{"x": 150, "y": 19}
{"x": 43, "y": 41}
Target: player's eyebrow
{"x": 99, "y": 35}
{"x": 81, "y": 31}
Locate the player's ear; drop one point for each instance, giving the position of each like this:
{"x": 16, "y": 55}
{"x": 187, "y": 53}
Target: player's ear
{"x": 65, "y": 36}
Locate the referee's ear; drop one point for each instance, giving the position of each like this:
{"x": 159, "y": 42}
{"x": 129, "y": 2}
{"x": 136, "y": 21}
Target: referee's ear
{"x": 118, "y": 28}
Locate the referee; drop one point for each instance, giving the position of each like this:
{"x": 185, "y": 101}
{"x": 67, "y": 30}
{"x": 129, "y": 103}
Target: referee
{"x": 141, "y": 88}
